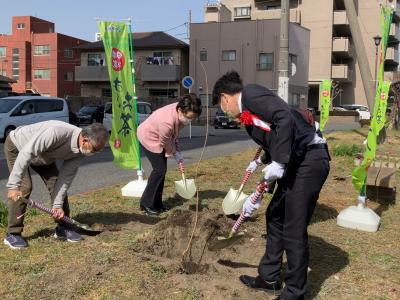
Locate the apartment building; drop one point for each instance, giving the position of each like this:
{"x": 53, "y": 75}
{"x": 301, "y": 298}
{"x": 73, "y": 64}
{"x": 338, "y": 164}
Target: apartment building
{"x": 39, "y": 59}
{"x": 250, "y": 47}
{"x": 161, "y": 61}
{"x": 332, "y": 54}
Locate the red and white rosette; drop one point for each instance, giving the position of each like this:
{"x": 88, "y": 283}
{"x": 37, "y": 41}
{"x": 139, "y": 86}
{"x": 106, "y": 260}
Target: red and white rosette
{"x": 248, "y": 119}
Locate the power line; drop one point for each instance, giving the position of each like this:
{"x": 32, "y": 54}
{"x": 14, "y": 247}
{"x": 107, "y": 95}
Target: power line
{"x": 184, "y": 24}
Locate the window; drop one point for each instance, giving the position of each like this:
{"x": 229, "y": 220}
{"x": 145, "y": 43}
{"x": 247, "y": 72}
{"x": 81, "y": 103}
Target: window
{"x": 266, "y": 61}
{"x": 69, "y": 76}
{"x": 41, "y": 74}
{"x": 41, "y": 50}
{"x": 20, "y": 25}
{"x": 170, "y": 93}
{"x": 229, "y": 55}
{"x": 242, "y": 12}
{"x": 3, "y": 72}
{"x": 45, "y": 106}
{"x": 144, "y": 109}
{"x": 68, "y": 53}
{"x": 106, "y": 93}
{"x": 292, "y": 64}
{"x": 203, "y": 55}
{"x": 27, "y": 108}
{"x": 94, "y": 59}
{"x": 161, "y": 58}
{"x": 162, "y": 54}
{"x": 3, "y": 51}
{"x": 15, "y": 63}
{"x": 294, "y": 100}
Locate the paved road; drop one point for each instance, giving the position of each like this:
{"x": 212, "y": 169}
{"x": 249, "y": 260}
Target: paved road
{"x": 99, "y": 170}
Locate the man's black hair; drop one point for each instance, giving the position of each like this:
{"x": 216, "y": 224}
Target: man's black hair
{"x": 230, "y": 84}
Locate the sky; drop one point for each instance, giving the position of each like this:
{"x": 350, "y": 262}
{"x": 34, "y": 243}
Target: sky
{"x": 78, "y": 17}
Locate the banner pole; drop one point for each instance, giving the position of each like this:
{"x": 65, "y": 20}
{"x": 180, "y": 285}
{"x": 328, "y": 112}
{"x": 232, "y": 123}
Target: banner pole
{"x": 140, "y": 172}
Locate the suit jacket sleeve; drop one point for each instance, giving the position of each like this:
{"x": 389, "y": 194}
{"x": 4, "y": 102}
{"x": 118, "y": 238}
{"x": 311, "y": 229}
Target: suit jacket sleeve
{"x": 270, "y": 108}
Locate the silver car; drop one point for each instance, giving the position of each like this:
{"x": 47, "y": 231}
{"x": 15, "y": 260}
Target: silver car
{"x": 144, "y": 111}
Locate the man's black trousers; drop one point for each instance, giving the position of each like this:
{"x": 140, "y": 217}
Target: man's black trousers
{"x": 288, "y": 216}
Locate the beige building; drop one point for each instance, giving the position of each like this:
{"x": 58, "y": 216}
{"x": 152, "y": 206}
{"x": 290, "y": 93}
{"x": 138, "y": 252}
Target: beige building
{"x": 332, "y": 54}
{"x": 251, "y": 48}
{"x": 161, "y": 61}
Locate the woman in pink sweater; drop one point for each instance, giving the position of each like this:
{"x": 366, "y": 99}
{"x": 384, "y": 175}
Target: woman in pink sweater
{"x": 158, "y": 135}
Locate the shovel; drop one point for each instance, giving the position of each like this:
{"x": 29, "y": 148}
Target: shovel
{"x": 66, "y": 219}
{"x": 222, "y": 242}
{"x": 234, "y": 200}
{"x": 185, "y": 188}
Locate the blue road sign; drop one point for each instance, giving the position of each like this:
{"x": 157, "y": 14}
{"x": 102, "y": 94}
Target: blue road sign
{"x": 187, "y": 82}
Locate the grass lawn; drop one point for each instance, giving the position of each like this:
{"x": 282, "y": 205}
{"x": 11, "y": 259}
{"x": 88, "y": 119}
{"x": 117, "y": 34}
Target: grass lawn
{"x": 139, "y": 257}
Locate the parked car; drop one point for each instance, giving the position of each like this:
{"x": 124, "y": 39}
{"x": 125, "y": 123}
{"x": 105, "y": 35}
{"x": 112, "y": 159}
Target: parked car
{"x": 90, "y": 114}
{"x": 144, "y": 110}
{"x": 24, "y": 110}
{"x": 221, "y": 120}
{"x": 362, "y": 110}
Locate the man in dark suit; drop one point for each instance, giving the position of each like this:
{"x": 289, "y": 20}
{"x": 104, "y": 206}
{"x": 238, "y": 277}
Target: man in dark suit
{"x": 298, "y": 161}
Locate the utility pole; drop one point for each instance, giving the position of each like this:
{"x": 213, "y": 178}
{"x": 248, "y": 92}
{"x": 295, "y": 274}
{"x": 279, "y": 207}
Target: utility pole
{"x": 361, "y": 54}
{"x": 283, "y": 82}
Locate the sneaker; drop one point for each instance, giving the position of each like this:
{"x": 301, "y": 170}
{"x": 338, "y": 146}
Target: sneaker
{"x": 15, "y": 241}
{"x": 66, "y": 234}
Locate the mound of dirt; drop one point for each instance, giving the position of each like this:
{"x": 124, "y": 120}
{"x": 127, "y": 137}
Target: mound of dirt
{"x": 170, "y": 238}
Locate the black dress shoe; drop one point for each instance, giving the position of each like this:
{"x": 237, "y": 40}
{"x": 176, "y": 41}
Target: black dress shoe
{"x": 150, "y": 211}
{"x": 257, "y": 283}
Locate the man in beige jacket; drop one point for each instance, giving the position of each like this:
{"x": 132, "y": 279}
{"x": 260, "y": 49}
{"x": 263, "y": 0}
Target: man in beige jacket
{"x": 38, "y": 146}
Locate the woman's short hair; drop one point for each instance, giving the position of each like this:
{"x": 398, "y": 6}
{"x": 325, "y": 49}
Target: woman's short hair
{"x": 190, "y": 103}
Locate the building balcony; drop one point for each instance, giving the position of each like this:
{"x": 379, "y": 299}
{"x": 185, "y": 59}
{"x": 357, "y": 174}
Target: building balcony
{"x": 392, "y": 54}
{"x": 342, "y": 48}
{"x": 91, "y": 73}
{"x": 393, "y": 35}
{"x": 160, "y": 73}
{"x": 295, "y": 15}
{"x": 341, "y": 22}
{"x": 341, "y": 73}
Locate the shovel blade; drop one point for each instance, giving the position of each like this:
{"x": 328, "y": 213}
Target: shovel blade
{"x": 186, "y": 189}
{"x": 221, "y": 242}
{"x": 233, "y": 202}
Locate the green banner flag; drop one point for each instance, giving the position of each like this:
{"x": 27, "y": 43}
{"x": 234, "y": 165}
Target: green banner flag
{"x": 379, "y": 117}
{"x": 123, "y": 141}
{"x": 325, "y": 100}
{"x": 385, "y": 22}
{"x": 359, "y": 174}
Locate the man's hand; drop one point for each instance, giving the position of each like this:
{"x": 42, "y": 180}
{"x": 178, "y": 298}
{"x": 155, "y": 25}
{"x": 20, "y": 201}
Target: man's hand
{"x": 178, "y": 157}
{"x": 14, "y": 194}
{"x": 58, "y": 213}
{"x": 273, "y": 171}
{"x": 252, "y": 167}
{"x": 249, "y": 207}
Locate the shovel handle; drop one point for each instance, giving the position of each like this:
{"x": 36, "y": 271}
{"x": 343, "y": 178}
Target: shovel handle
{"x": 39, "y": 206}
{"x": 260, "y": 190}
{"x": 257, "y": 155}
{"x": 247, "y": 174}
{"x": 181, "y": 167}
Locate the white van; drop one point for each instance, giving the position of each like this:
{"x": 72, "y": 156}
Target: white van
{"x": 144, "y": 110}
{"x": 362, "y": 110}
{"x": 24, "y": 110}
